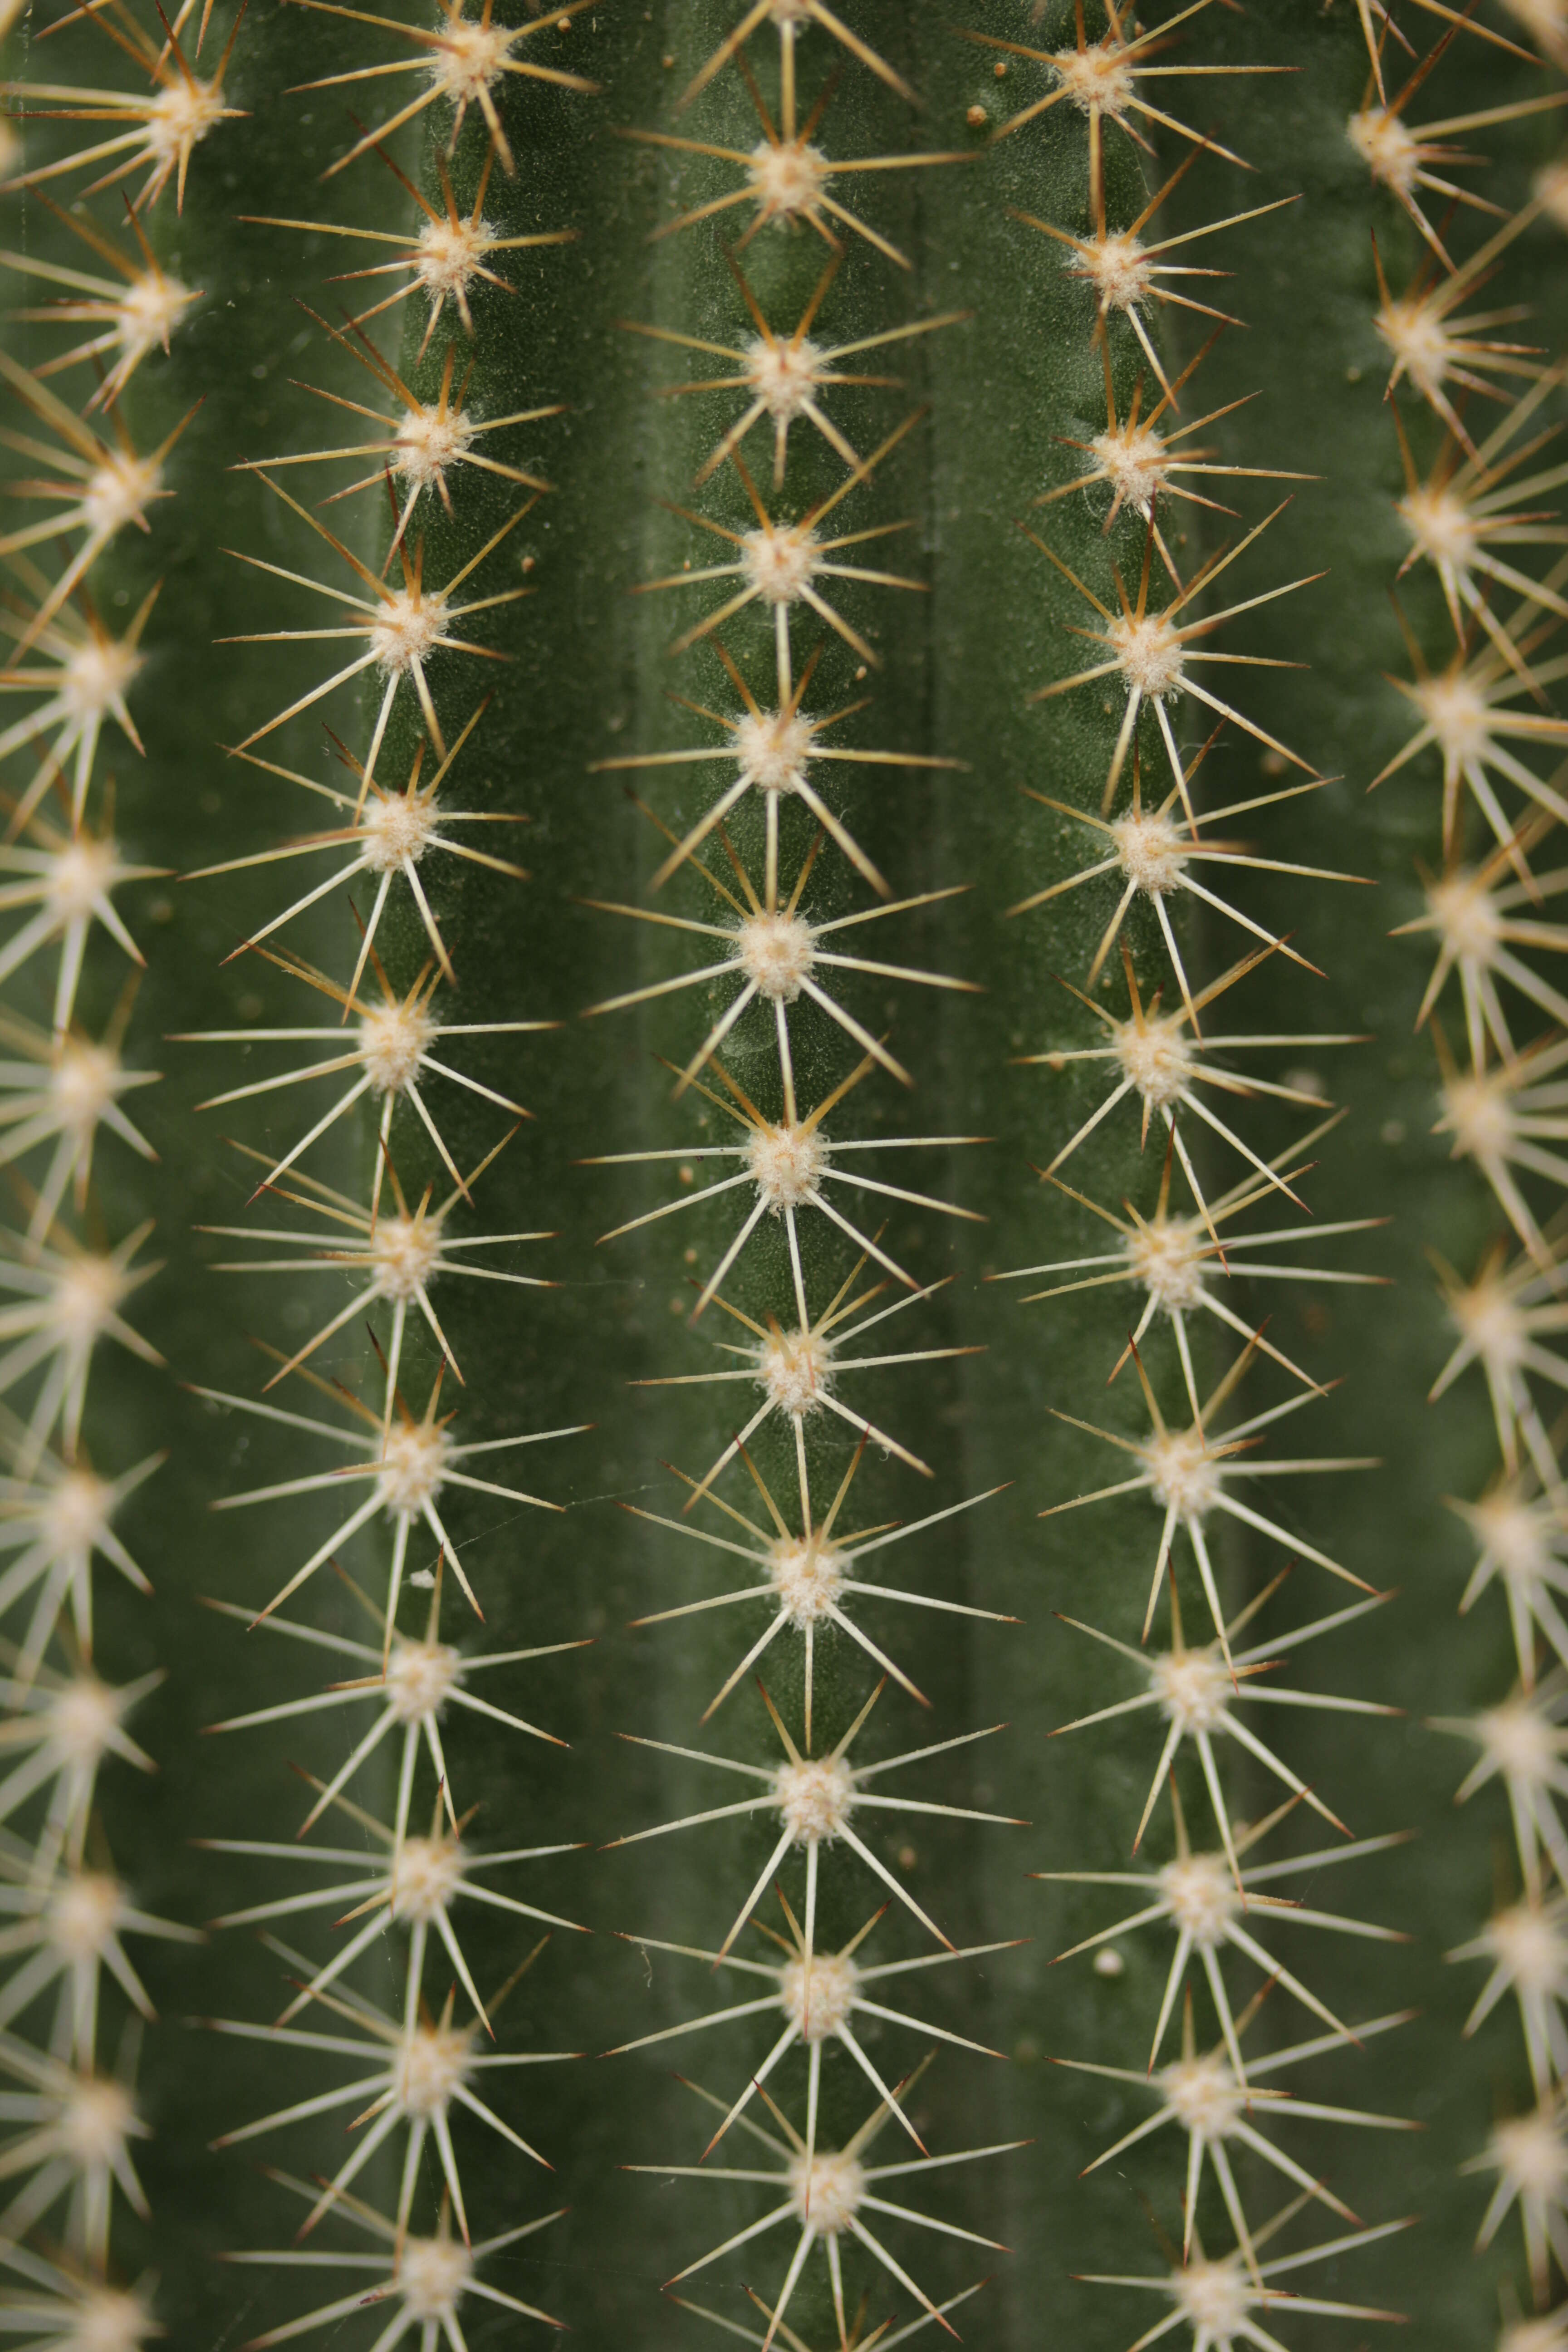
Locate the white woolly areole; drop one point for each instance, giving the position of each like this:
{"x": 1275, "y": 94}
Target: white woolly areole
{"x": 395, "y": 830}
{"x": 1459, "y": 714}
{"x": 1492, "y": 1324}
{"x": 1156, "y": 1056}
{"x": 826, "y": 2192}
{"x": 1442, "y": 527}
{"x": 1535, "y": 2334}
{"x": 87, "y": 1295}
{"x": 1465, "y": 916}
{"x": 1478, "y": 1110}
{"x": 1551, "y": 194}
{"x": 75, "y": 1516}
{"x": 1118, "y": 268}
{"x": 419, "y": 1678}
{"x": 82, "y": 1083}
{"x": 795, "y": 1368}
{"x": 405, "y": 1254}
{"x": 1096, "y": 77}
{"x": 78, "y": 876}
{"x": 1184, "y": 1477}
{"x": 775, "y": 952}
{"x": 1153, "y": 852}
{"x": 408, "y": 624}
{"x": 1135, "y": 461}
{"x": 1390, "y": 152}
{"x": 1531, "y": 2154}
{"x": 814, "y": 1798}
{"x": 787, "y": 1161}
{"x": 1203, "y": 2094}
{"x": 1192, "y": 1687}
{"x": 450, "y": 253}
{"x": 432, "y": 2276}
{"x": 432, "y": 2065}
{"x": 96, "y": 675}
{"x": 817, "y": 1999}
{"x": 1516, "y": 1534}
{"x": 179, "y": 118}
{"x": 393, "y": 1040}
{"x": 425, "y": 1875}
{"x": 773, "y": 749}
{"x": 806, "y": 1575}
{"x": 413, "y": 1463}
{"x": 1414, "y": 331}
{"x": 779, "y": 560}
{"x": 430, "y": 442}
{"x": 1149, "y": 652}
{"x": 783, "y": 374}
{"x": 1202, "y": 1895}
{"x": 95, "y": 2121}
{"x": 1167, "y": 1257}
{"x": 1531, "y": 1946}
{"x": 106, "y": 2319}
{"x": 148, "y": 313}
{"x": 471, "y": 59}
{"x": 82, "y": 1718}
{"x": 786, "y": 180}
{"x": 1214, "y": 2298}
{"x": 1518, "y": 1741}
{"x": 83, "y": 1914}
{"x": 118, "y": 492}
{"x": 790, "y": 11}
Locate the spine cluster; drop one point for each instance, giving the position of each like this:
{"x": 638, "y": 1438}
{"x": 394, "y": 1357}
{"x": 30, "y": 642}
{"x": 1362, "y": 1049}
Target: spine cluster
{"x": 399, "y": 571}
{"x": 1474, "y": 409}
{"x": 1247, "y": 2023}
{"x": 783, "y": 976}
{"x": 342, "y": 1157}
{"x": 76, "y": 1648}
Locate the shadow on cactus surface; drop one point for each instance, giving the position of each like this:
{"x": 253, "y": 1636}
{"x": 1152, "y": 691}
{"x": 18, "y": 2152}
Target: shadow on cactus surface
{"x": 784, "y": 1113}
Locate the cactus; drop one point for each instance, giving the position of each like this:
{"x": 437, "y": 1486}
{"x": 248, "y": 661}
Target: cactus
{"x": 998, "y": 570}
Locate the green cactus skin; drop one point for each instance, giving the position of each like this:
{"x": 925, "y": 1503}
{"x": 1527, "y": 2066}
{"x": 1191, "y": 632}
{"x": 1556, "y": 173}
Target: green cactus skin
{"x": 997, "y": 374}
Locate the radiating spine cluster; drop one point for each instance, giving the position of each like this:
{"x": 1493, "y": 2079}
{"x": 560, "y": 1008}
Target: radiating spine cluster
{"x": 391, "y": 1041}
{"x": 362, "y": 1178}
{"x": 1476, "y": 419}
{"x": 73, "y": 2005}
{"x": 775, "y": 619}
{"x": 1214, "y": 1213}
